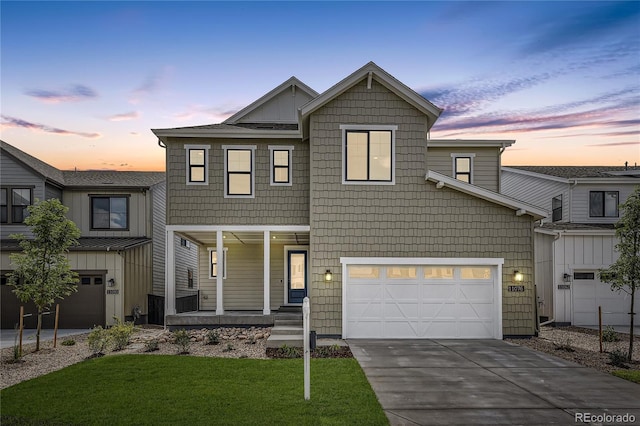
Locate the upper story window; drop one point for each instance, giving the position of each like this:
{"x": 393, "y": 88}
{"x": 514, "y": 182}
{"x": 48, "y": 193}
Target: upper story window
{"x": 368, "y": 154}
{"x": 14, "y": 203}
{"x": 463, "y": 167}
{"x": 110, "y": 212}
{"x": 603, "y": 203}
{"x": 556, "y": 208}
{"x": 197, "y": 164}
{"x": 280, "y": 165}
{"x": 239, "y": 169}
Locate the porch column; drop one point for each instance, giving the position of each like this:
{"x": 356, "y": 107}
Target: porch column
{"x": 220, "y": 274}
{"x": 169, "y": 275}
{"x": 266, "y": 310}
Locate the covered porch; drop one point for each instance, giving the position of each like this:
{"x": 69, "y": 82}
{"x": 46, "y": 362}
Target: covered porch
{"x": 246, "y": 275}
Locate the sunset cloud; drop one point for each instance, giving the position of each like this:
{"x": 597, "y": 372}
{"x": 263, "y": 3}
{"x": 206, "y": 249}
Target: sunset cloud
{"x": 75, "y": 93}
{"x": 9, "y": 122}
{"x": 125, "y": 116}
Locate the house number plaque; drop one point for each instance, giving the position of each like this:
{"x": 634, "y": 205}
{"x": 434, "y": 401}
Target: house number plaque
{"x": 516, "y": 288}
{"x": 113, "y": 291}
{"x": 564, "y": 286}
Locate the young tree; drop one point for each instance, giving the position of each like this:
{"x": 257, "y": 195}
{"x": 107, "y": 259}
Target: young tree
{"x": 624, "y": 274}
{"x": 42, "y": 271}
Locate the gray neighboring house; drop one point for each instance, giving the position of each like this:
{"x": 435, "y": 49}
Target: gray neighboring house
{"x": 576, "y": 239}
{"x": 116, "y": 213}
{"x": 342, "y": 196}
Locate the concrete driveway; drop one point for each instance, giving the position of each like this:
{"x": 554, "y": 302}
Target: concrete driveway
{"x": 464, "y": 382}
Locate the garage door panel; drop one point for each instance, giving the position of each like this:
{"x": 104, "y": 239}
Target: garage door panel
{"x": 421, "y": 302}
{"x": 589, "y": 292}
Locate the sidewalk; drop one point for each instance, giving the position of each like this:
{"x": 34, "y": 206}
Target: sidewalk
{"x": 9, "y": 337}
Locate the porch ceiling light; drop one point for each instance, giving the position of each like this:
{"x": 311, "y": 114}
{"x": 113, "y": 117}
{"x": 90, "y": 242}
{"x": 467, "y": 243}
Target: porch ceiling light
{"x": 518, "y": 276}
{"x": 328, "y": 276}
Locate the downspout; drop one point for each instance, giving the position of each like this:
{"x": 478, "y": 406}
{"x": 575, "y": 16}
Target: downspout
{"x": 575, "y": 182}
{"x": 500, "y": 167}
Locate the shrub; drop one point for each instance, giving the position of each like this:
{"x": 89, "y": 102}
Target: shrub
{"x": 98, "y": 340}
{"x": 121, "y": 334}
{"x": 151, "y": 345}
{"x": 609, "y": 335}
{"x": 182, "y": 340}
{"x": 618, "y": 358}
{"x": 213, "y": 338}
{"x": 68, "y": 342}
{"x": 289, "y": 352}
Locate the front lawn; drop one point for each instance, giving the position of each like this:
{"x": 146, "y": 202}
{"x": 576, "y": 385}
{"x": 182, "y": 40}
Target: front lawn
{"x": 164, "y": 389}
{"x": 631, "y": 375}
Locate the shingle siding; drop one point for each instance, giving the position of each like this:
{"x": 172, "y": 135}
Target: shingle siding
{"x": 486, "y": 164}
{"x": 409, "y": 219}
{"x": 206, "y": 205}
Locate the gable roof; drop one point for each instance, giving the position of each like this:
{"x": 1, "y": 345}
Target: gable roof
{"x": 40, "y": 167}
{"x": 520, "y": 207}
{"x": 112, "y": 179}
{"x": 371, "y": 70}
{"x": 291, "y": 84}
{"x": 578, "y": 172}
{"x": 84, "y": 179}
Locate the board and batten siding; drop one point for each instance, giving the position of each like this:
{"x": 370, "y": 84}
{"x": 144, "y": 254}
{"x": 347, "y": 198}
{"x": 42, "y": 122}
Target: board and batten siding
{"x": 579, "y": 252}
{"x": 79, "y": 203}
{"x": 206, "y": 204}
{"x": 537, "y": 191}
{"x": 158, "y": 235}
{"x": 409, "y": 219}
{"x": 14, "y": 174}
{"x": 486, "y": 164}
{"x": 544, "y": 274}
{"x": 580, "y": 197}
{"x": 282, "y": 108}
{"x": 243, "y": 287}
{"x": 138, "y": 278}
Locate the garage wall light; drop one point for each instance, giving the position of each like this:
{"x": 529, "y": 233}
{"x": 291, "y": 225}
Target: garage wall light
{"x": 328, "y": 276}
{"x": 518, "y": 276}
{"x": 566, "y": 277}
{"x": 111, "y": 282}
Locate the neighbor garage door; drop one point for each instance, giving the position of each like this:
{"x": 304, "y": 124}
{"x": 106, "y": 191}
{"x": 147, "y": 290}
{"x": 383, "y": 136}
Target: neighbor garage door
{"x": 421, "y": 301}
{"x": 82, "y": 309}
{"x": 589, "y": 293}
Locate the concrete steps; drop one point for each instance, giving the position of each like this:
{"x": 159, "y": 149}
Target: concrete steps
{"x": 287, "y": 330}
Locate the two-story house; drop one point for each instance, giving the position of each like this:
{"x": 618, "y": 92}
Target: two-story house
{"x": 114, "y": 257}
{"x": 577, "y": 239}
{"x": 342, "y": 196}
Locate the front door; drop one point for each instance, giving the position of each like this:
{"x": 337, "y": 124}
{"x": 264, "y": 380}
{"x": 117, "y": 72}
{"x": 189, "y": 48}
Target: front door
{"x": 297, "y": 276}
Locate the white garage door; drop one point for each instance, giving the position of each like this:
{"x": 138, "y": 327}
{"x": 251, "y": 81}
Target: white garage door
{"x": 589, "y": 293}
{"x": 421, "y": 301}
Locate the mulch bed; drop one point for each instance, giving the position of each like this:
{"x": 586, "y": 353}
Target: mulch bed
{"x": 319, "y": 352}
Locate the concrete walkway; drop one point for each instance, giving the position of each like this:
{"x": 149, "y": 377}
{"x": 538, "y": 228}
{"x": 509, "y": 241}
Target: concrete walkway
{"x": 8, "y": 337}
{"x": 464, "y": 382}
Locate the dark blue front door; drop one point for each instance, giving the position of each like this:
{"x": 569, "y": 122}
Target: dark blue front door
{"x": 297, "y": 277}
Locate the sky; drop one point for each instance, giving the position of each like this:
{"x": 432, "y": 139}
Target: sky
{"x": 82, "y": 83}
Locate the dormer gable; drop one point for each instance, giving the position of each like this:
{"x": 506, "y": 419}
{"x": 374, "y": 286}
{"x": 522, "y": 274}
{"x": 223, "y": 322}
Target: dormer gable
{"x": 279, "y": 106}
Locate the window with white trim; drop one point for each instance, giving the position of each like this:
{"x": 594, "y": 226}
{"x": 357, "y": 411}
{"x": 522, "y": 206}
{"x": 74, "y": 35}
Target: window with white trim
{"x": 368, "y": 154}
{"x": 280, "y": 163}
{"x": 463, "y": 167}
{"x": 197, "y": 164}
{"x": 214, "y": 264}
{"x": 239, "y": 171}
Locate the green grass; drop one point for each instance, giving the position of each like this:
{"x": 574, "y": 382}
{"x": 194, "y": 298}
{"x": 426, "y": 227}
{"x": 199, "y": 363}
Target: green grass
{"x": 631, "y": 375}
{"x": 154, "y": 390}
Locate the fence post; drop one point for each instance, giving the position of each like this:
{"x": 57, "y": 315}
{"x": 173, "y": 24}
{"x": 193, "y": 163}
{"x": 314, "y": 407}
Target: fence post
{"x": 21, "y": 326}
{"x": 600, "y": 326}
{"x": 305, "y": 329}
{"x": 55, "y": 326}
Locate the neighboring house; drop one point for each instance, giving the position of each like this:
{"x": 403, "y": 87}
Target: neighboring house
{"x": 577, "y": 239}
{"x": 342, "y": 197}
{"x": 114, "y": 258}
